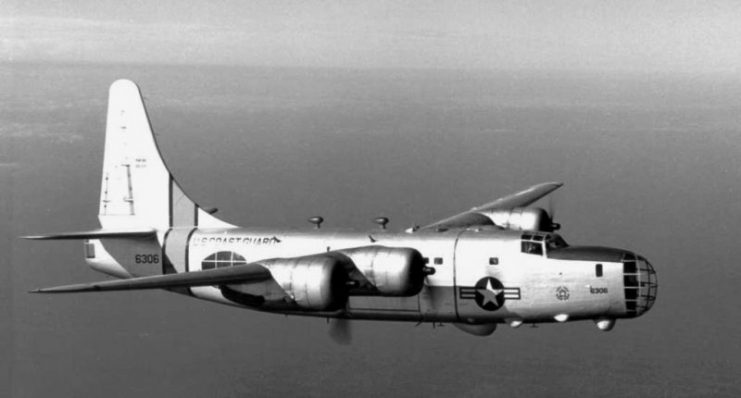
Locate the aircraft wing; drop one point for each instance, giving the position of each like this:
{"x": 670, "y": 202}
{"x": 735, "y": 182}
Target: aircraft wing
{"x": 96, "y": 234}
{"x": 477, "y": 216}
{"x": 237, "y": 274}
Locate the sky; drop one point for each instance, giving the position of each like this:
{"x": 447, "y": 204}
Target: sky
{"x": 649, "y": 165}
{"x": 599, "y": 36}
{"x": 254, "y": 117}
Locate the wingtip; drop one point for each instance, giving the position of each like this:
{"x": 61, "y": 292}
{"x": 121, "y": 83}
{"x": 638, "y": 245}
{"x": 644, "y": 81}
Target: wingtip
{"x": 58, "y": 289}
{"x": 124, "y": 84}
{"x": 551, "y": 184}
{"x": 32, "y": 237}
{"x": 45, "y": 290}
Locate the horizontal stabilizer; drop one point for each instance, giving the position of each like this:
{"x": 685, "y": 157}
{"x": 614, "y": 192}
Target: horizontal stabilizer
{"x": 96, "y": 234}
{"x": 219, "y": 276}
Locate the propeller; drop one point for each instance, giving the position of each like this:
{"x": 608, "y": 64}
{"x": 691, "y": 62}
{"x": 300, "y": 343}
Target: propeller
{"x": 552, "y": 212}
{"x": 340, "y": 331}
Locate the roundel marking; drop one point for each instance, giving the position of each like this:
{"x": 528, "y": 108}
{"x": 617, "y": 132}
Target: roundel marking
{"x": 489, "y": 293}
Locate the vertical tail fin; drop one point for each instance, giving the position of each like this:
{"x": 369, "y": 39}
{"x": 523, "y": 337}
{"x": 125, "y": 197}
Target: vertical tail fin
{"x": 137, "y": 189}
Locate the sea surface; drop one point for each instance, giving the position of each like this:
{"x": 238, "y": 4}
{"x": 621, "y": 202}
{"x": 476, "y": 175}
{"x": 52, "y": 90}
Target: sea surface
{"x": 650, "y": 163}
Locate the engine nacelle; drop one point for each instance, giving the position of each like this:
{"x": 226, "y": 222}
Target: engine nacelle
{"x": 523, "y": 219}
{"x": 313, "y": 282}
{"x": 394, "y": 271}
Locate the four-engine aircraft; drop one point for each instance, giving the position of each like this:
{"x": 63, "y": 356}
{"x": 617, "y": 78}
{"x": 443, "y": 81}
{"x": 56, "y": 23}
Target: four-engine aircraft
{"x": 496, "y": 263}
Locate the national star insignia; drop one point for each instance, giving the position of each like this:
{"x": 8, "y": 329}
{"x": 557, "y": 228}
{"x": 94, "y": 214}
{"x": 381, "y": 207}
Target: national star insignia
{"x": 489, "y": 293}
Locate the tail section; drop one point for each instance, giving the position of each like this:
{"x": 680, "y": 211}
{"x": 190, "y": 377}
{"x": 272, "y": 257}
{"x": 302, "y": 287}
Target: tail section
{"x": 137, "y": 189}
{"x": 146, "y": 219}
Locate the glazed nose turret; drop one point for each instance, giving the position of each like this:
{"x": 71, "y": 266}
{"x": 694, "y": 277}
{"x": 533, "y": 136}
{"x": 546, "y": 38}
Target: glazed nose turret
{"x": 640, "y": 285}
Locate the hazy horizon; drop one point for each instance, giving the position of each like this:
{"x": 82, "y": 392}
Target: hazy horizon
{"x": 659, "y": 37}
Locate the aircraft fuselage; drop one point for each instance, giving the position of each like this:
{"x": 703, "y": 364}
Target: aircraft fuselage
{"x": 481, "y": 275}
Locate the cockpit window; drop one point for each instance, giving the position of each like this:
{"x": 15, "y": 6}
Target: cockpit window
{"x": 532, "y": 248}
{"x": 553, "y": 242}
{"x": 534, "y": 243}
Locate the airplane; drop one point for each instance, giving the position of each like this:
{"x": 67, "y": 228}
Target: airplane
{"x": 498, "y": 263}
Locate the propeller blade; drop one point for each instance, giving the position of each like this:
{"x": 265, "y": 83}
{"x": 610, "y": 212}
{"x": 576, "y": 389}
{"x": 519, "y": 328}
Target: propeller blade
{"x": 340, "y": 331}
{"x": 552, "y": 212}
{"x": 552, "y": 205}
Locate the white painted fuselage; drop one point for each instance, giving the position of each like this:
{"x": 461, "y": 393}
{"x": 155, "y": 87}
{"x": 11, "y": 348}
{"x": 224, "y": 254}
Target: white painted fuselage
{"x": 481, "y": 275}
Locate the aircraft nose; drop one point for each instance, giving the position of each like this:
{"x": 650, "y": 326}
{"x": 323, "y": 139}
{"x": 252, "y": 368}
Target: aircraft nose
{"x": 640, "y": 283}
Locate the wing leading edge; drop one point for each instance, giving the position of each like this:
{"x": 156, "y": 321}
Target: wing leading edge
{"x": 96, "y": 234}
{"x": 238, "y": 274}
{"x": 478, "y": 214}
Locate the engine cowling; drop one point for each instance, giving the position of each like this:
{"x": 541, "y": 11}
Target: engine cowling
{"x": 394, "y": 271}
{"x": 523, "y": 219}
{"x": 312, "y": 282}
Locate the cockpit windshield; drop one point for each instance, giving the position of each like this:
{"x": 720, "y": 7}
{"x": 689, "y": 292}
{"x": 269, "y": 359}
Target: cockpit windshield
{"x": 540, "y": 243}
{"x": 553, "y": 242}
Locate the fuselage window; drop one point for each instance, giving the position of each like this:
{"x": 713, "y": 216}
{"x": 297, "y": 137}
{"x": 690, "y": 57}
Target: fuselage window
{"x": 532, "y": 248}
{"x": 598, "y": 270}
{"x": 493, "y": 260}
{"x": 438, "y": 260}
{"x": 222, "y": 259}
{"x": 426, "y": 260}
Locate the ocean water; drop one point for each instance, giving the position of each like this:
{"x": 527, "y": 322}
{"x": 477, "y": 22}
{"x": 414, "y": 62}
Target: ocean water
{"x": 651, "y": 163}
